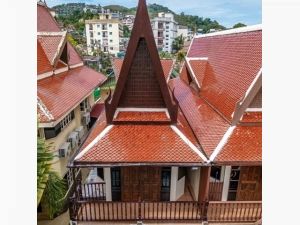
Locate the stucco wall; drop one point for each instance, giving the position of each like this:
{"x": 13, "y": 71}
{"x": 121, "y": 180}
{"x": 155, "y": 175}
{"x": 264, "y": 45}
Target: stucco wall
{"x": 194, "y": 178}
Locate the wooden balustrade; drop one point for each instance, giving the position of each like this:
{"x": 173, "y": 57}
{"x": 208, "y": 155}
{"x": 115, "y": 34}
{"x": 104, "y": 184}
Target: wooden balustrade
{"x": 234, "y": 211}
{"x": 132, "y": 211}
{"x": 93, "y": 191}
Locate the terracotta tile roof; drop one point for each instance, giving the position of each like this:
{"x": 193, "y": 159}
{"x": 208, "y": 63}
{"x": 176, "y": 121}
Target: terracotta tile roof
{"x": 62, "y": 92}
{"x": 252, "y": 117}
{"x": 233, "y": 62}
{"x": 208, "y": 126}
{"x": 199, "y": 68}
{"x": 140, "y": 144}
{"x": 184, "y": 75}
{"x": 51, "y": 45}
{"x": 167, "y": 65}
{"x": 141, "y": 116}
{"x": 43, "y": 64}
{"x": 74, "y": 56}
{"x": 97, "y": 109}
{"x": 244, "y": 145}
{"x": 45, "y": 21}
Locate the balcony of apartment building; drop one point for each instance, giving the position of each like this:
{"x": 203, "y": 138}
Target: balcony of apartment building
{"x": 165, "y": 193}
{"x": 160, "y": 26}
{"x": 104, "y": 26}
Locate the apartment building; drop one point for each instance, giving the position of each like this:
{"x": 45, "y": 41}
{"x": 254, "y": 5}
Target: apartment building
{"x": 164, "y": 30}
{"x": 105, "y": 33}
{"x": 128, "y": 20}
{"x": 66, "y": 92}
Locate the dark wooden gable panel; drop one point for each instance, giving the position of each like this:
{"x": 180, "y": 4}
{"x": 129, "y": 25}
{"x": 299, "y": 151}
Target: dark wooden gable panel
{"x": 142, "y": 87}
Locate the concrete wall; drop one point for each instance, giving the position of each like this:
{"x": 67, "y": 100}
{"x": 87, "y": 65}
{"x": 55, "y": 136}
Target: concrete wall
{"x": 180, "y": 187}
{"x": 194, "y": 178}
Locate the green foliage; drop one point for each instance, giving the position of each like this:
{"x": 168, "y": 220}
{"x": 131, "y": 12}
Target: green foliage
{"x": 55, "y": 191}
{"x": 50, "y": 187}
{"x": 71, "y": 40}
{"x": 178, "y": 43}
{"x": 165, "y": 55}
{"x": 180, "y": 56}
{"x": 126, "y": 31}
{"x": 239, "y": 25}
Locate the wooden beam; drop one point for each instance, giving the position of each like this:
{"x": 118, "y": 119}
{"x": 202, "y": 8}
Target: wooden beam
{"x": 204, "y": 183}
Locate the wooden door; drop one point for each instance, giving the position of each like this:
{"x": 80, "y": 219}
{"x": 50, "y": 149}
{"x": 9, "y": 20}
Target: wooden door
{"x": 140, "y": 183}
{"x": 250, "y": 184}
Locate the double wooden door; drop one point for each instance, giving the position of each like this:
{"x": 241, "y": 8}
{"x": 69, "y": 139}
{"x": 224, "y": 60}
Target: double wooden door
{"x": 141, "y": 183}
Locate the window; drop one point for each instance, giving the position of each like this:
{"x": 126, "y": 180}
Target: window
{"x": 91, "y": 26}
{"x": 110, "y": 25}
{"x": 99, "y": 33}
{"x": 51, "y": 132}
{"x": 111, "y": 48}
{"x": 233, "y": 183}
{"x": 91, "y": 34}
{"x": 110, "y": 41}
{"x": 84, "y": 105}
{"x": 181, "y": 172}
{"x": 100, "y": 173}
{"x": 216, "y": 172}
{"x": 167, "y": 27}
{"x": 167, "y": 43}
{"x": 167, "y": 35}
{"x": 110, "y": 33}
{"x": 98, "y": 25}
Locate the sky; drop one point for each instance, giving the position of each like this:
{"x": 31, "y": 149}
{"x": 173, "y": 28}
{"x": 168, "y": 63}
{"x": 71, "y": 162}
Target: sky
{"x": 226, "y": 12}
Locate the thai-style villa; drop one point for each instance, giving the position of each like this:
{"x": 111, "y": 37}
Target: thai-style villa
{"x": 182, "y": 149}
{"x": 185, "y": 149}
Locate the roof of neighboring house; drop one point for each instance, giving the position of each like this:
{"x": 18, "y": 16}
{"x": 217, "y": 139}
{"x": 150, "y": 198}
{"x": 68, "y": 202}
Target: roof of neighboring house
{"x": 60, "y": 93}
{"x": 45, "y": 21}
{"x": 167, "y": 65}
{"x": 198, "y": 67}
{"x": 97, "y": 110}
{"x": 244, "y": 145}
{"x": 234, "y": 60}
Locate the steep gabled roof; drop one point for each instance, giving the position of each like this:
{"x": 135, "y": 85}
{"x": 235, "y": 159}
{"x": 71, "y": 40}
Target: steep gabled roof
{"x": 141, "y": 83}
{"x": 43, "y": 64}
{"x": 45, "y": 21}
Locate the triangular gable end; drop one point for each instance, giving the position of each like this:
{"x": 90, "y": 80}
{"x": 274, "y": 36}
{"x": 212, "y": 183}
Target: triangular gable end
{"x": 141, "y": 83}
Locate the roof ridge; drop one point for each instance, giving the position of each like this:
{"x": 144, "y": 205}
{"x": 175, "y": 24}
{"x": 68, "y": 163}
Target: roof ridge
{"x": 239, "y": 30}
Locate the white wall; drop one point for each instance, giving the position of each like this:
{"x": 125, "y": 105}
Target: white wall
{"x": 194, "y": 178}
{"x": 107, "y": 180}
{"x": 180, "y": 187}
{"x": 226, "y": 183}
{"x": 177, "y": 186}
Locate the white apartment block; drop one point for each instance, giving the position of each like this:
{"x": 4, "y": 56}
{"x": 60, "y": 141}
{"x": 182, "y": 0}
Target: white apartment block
{"x": 104, "y": 33}
{"x": 128, "y": 20}
{"x": 164, "y": 30}
{"x": 185, "y": 32}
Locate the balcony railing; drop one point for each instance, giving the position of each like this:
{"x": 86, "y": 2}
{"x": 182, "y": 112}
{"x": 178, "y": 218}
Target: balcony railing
{"x": 234, "y": 211}
{"x": 132, "y": 211}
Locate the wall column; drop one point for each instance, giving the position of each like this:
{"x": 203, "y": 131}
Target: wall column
{"x": 226, "y": 183}
{"x": 204, "y": 183}
{"x": 174, "y": 177}
{"x": 107, "y": 180}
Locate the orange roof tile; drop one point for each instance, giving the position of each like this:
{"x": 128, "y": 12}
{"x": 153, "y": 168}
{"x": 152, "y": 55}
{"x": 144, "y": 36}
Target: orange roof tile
{"x": 51, "y": 45}
{"x": 62, "y": 92}
{"x": 199, "y": 68}
{"x": 252, "y": 117}
{"x": 45, "y": 21}
{"x": 140, "y": 144}
{"x": 208, "y": 126}
{"x": 244, "y": 145}
{"x": 167, "y": 65}
{"x": 43, "y": 64}
{"x": 233, "y": 62}
{"x": 97, "y": 110}
{"x": 74, "y": 56}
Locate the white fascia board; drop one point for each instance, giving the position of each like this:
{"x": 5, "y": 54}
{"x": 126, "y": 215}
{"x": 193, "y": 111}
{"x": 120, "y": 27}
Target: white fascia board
{"x": 197, "y": 58}
{"x": 44, "y": 109}
{"x": 59, "y": 33}
{"x": 232, "y": 31}
{"x": 258, "y": 75}
{"x": 222, "y": 143}
{"x": 76, "y": 65}
{"x": 189, "y": 143}
{"x": 253, "y": 110}
{"x": 44, "y": 75}
{"x": 61, "y": 70}
{"x": 60, "y": 45}
{"x": 90, "y": 145}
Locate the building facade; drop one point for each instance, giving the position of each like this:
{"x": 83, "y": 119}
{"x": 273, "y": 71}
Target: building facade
{"x": 176, "y": 149}
{"x": 105, "y": 33}
{"x": 128, "y": 20}
{"x": 66, "y": 94}
{"x": 164, "y": 30}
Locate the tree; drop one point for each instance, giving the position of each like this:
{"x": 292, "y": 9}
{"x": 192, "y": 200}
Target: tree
{"x": 51, "y": 189}
{"x": 178, "y": 43}
{"x": 238, "y": 25}
{"x": 126, "y": 31}
{"x": 165, "y": 55}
